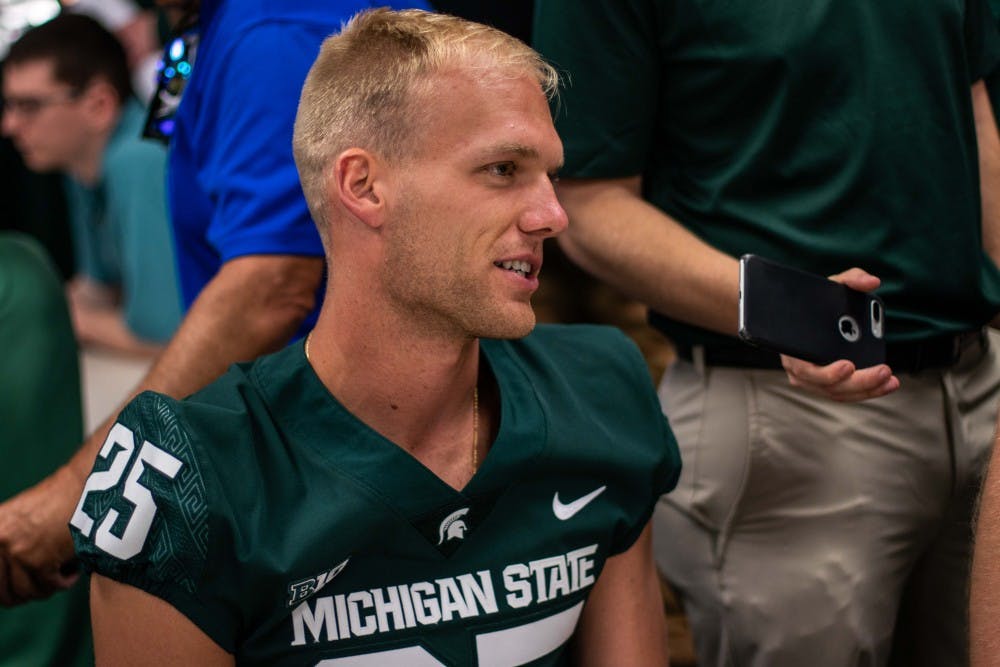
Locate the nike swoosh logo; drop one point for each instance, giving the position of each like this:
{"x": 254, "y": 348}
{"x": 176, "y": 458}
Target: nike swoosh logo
{"x": 564, "y": 511}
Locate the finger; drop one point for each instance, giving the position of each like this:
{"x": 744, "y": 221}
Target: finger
{"x": 887, "y": 387}
{"x": 839, "y": 382}
{"x": 6, "y": 594}
{"x": 858, "y": 279}
{"x": 805, "y": 374}
{"x": 863, "y": 380}
{"x": 67, "y": 574}
{"x": 23, "y": 585}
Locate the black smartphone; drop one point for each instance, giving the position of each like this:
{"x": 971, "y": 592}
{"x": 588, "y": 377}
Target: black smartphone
{"x": 808, "y": 316}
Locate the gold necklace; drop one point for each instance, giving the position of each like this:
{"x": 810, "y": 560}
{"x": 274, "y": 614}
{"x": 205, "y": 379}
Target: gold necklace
{"x": 475, "y": 414}
{"x": 475, "y": 429}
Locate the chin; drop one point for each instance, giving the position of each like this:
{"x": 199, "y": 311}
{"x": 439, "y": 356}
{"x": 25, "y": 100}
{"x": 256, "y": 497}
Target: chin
{"x": 514, "y": 325}
{"x": 38, "y": 165}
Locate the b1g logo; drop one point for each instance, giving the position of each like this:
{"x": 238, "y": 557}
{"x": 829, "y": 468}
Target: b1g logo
{"x": 121, "y": 440}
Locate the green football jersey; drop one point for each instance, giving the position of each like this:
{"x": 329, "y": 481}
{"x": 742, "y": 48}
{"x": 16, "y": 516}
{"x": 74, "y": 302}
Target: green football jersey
{"x": 292, "y": 533}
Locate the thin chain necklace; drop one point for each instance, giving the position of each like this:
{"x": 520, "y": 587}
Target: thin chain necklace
{"x": 475, "y": 429}
{"x": 475, "y": 414}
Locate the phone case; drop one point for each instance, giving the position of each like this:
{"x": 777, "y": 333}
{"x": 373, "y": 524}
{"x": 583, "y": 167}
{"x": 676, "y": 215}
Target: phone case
{"x": 807, "y": 316}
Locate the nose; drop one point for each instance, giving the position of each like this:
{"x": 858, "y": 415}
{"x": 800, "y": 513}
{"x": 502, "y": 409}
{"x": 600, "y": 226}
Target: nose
{"x": 7, "y": 124}
{"x": 545, "y": 216}
{"x": 10, "y": 123}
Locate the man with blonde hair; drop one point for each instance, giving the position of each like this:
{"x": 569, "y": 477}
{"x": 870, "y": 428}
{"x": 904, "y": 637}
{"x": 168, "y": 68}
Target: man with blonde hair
{"x": 421, "y": 482}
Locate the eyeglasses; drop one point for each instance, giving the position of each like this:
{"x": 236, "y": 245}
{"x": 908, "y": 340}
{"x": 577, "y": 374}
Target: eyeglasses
{"x": 174, "y": 69}
{"x": 29, "y": 106}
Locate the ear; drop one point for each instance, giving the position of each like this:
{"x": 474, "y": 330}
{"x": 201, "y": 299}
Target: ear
{"x": 101, "y": 103}
{"x": 357, "y": 183}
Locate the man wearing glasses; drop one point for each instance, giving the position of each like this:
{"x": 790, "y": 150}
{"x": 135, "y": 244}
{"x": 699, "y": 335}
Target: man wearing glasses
{"x": 68, "y": 106}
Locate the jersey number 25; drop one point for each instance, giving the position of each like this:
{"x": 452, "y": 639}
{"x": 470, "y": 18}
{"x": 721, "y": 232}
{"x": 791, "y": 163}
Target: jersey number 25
{"x": 137, "y": 527}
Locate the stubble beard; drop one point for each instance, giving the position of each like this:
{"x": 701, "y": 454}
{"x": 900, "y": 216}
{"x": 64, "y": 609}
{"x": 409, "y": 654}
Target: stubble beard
{"x": 435, "y": 300}
{"x": 448, "y": 306}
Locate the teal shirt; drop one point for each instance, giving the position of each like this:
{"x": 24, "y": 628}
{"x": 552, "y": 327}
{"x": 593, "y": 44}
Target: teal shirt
{"x": 823, "y": 134}
{"x": 290, "y": 532}
{"x": 121, "y": 230}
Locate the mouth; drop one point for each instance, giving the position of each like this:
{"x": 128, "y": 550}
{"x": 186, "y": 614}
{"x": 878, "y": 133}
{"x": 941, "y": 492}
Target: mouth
{"x": 518, "y": 266}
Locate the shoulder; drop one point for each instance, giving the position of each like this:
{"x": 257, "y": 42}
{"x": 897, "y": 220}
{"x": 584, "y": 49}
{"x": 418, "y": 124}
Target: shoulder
{"x": 602, "y": 415}
{"x": 597, "y": 335}
{"x": 143, "y": 516}
{"x": 158, "y": 510}
{"x": 581, "y": 351}
{"x": 587, "y": 374}
{"x": 130, "y": 159}
{"x": 23, "y": 264}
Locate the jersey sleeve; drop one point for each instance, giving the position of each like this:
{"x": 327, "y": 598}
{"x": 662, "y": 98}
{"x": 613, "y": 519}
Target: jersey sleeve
{"x": 143, "y": 518}
{"x": 608, "y": 108}
{"x": 654, "y": 459}
{"x": 249, "y": 171}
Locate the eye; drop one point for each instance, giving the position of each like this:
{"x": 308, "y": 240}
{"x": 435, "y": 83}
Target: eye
{"x": 502, "y": 169}
{"x": 554, "y": 177}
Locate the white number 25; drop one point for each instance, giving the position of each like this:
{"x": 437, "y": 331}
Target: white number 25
{"x": 137, "y": 527}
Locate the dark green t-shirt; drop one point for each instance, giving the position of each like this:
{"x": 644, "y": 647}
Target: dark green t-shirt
{"x": 290, "y": 532}
{"x": 823, "y": 134}
{"x": 41, "y": 425}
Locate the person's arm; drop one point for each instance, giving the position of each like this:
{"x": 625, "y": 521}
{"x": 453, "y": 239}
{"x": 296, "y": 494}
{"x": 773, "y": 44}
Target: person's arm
{"x": 634, "y": 246}
{"x": 623, "y": 621}
{"x": 984, "y": 588}
{"x": 133, "y": 628}
{"x": 988, "y": 145}
{"x": 95, "y": 310}
{"x": 252, "y": 306}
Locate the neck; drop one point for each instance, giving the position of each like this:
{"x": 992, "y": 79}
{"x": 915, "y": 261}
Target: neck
{"x": 419, "y": 392}
{"x": 86, "y": 168}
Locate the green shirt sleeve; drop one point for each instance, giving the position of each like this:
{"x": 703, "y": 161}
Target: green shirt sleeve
{"x": 982, "y": 40}
{"x": 608, "y": 55}
{"x": 143, "y": 518}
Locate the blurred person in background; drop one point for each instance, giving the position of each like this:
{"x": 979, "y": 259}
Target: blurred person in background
{"x": 249, "y": 258}
{"x": 40, "y": 425}
{"x": 136, "y": 28}
{"x": 823, "y": 514}
{"x": 68, "y": 106}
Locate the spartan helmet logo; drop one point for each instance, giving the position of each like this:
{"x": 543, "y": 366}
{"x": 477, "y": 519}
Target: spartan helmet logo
{"x": 453, "y": 527}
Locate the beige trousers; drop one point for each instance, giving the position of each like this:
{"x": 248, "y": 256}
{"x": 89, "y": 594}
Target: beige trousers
{"x": 807, "y": 533}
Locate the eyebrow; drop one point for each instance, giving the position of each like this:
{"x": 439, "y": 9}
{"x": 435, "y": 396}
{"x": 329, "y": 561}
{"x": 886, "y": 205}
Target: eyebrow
{"x": 508, "y": 148}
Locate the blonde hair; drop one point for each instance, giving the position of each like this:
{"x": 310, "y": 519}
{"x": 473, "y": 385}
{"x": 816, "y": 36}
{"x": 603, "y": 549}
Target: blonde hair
{"x": 363, "y": 88}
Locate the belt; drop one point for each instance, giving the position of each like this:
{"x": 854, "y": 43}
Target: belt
{"x": 903, "y": 357}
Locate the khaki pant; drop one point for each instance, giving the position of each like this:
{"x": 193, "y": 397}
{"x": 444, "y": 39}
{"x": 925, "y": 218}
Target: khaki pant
{"x": 808, "y": 533}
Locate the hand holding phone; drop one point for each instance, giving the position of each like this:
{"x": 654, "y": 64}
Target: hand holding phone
{"x": 807, "y": 316}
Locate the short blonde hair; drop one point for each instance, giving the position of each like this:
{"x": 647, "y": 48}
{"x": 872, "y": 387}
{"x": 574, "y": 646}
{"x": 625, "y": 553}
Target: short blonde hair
{"x": 362, "y": 88}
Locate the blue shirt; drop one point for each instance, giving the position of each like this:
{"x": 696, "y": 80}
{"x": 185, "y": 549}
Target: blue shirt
{"x": 233, "y": 186}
